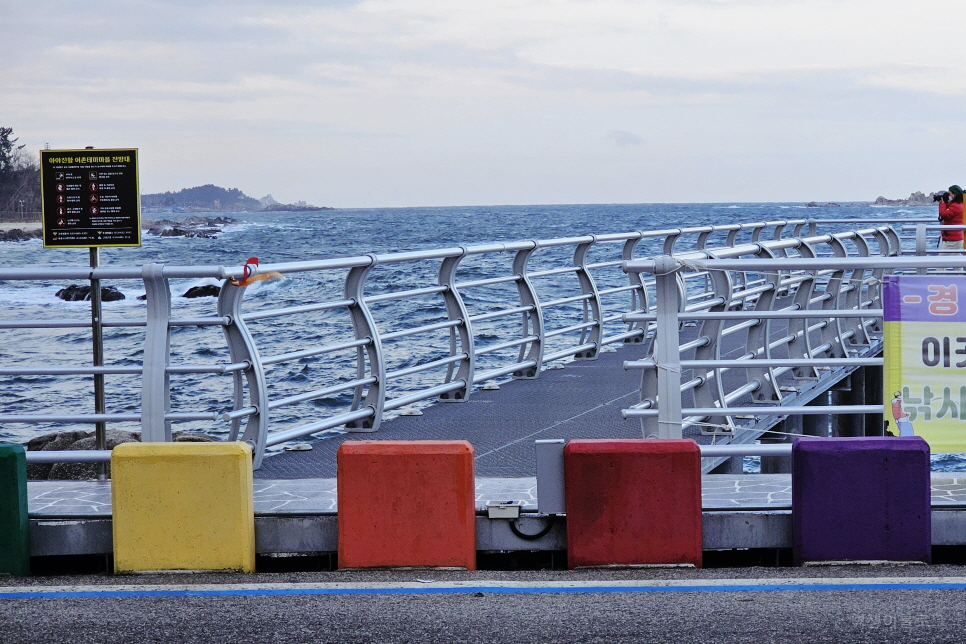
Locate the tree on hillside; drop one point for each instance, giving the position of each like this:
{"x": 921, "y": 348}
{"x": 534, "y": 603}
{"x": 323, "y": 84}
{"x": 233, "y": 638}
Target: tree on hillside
{"x": 206, "y": 196}
{"x": 19, "y": 177}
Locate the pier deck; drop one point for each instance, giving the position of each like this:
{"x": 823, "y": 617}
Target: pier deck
{"x": 299, "y": 516}
{"x": 582, "y": 400}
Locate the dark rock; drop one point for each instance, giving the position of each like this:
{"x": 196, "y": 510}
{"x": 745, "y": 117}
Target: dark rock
{"x": 76, "y": 293}
{"x": 181, "y": 232}
{"x": 192, "y": 437}
{"x": 203, "y": 291}
{"x": 38, "y": 471}
{"x": 87, "y": 471}
{"x": 111, "y": 294}
{"x": 40, "y": 442}
{"x": 65, "y": 441}
{"x": 193, "y": 226}
{"x": 16, "y": 235}
{"x": 50, "y": 443}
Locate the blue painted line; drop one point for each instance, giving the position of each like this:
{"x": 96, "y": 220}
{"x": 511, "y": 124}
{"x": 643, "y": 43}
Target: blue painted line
{"x": 279, "y": 592}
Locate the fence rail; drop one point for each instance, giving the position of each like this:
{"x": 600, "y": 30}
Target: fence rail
{"x": 757, "y": 306}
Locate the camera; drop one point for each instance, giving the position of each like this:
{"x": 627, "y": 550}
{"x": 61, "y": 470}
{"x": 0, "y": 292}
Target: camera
{"x": 940, "y": 196}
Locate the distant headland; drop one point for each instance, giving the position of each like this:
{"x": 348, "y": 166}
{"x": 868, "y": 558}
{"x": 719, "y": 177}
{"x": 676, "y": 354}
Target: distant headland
{"x": 209, "y": 198}
{"x": 915, "y": 199}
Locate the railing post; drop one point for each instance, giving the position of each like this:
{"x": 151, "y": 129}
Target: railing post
{"x": 669, "y": 242}
{"x": 155, "y": 382}
{"x": 832, "y": 332}
{"x": 365, "y": 327}
{"x": 758, "y": 340}
{"x": 456, "y": 310}
{"x": 921, "y": 246}
{"x": 667, "y": 353}
{"x": 592, "y": 307}
{"x": 801, "y": 342}
{"x": 638, "y": 294}
{"x": 532, "y": 320}
{"x": 853, "y": 297}
{"x": 710, "y": 392}
{"x": 241, "y": 348}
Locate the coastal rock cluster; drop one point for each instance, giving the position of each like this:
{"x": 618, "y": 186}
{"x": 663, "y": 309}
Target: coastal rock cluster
{"x": 915, "y": 199}
{"x": 194, "y": 226}
{"x": 69, "y": 441}
{"x": 16, "y": 234}
{"x": 77, "y": 293}
{"x": 208, "y": 290}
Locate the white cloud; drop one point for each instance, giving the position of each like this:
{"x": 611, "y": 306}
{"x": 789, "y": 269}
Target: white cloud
{"x": 622, "y": 138}
{"x": 409, "y": 102}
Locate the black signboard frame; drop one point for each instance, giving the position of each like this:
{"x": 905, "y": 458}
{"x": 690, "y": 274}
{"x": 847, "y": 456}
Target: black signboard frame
{"x": 90, "y": 198}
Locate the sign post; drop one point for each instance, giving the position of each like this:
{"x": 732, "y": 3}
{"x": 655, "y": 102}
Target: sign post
{"x": 91, "y": 198}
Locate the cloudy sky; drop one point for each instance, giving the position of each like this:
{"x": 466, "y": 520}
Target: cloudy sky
{"x": 426, "y": 102}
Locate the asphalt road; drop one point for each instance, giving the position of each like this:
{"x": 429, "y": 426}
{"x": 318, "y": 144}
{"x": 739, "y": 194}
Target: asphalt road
{"x": 843, "y": 604}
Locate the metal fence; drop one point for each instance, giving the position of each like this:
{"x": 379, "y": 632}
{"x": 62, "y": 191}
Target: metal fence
{"x": 782, "y": 323}
{"x": 396, "y": 330}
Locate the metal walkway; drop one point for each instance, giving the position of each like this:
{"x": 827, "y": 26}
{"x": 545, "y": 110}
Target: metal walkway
{"x": 582, "y": 400}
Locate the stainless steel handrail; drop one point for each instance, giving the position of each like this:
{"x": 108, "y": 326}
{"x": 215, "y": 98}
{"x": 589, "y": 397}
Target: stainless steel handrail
{"x": 580, "y": 323}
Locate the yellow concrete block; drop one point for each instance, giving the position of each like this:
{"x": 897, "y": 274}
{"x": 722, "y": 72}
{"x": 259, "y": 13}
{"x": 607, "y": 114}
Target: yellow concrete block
{"x": 183, "y": 506}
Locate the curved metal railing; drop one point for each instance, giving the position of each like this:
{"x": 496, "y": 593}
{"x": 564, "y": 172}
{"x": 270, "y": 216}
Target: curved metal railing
{"x": 782, "y": 323}
{"x": 401, "y": 328}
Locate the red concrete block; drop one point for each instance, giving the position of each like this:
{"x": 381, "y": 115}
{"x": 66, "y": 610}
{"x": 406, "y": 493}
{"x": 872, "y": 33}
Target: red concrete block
{"x": 633, "y": 502}
{"x": 406, "y": 503}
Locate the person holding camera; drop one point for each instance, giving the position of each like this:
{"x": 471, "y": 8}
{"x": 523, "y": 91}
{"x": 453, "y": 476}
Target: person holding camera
{"x": 950, "y": 214}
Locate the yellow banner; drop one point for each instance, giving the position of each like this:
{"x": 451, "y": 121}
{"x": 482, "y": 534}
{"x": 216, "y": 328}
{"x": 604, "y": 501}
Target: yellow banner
{"x": 925, "y": 359}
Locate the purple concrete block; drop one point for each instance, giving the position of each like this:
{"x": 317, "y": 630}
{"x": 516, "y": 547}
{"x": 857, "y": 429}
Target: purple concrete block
{"x": 861, "y": 499}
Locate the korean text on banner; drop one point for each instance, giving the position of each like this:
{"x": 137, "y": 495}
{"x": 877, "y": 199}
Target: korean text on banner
{"x": 925, "y": 359}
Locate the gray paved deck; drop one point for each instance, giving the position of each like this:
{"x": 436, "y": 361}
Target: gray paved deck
{"x": 79, "y": 499}
{"x": 502, "y": 425}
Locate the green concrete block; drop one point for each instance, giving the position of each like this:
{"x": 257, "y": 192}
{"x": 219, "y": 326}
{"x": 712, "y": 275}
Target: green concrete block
{"x": 14, "y": 546}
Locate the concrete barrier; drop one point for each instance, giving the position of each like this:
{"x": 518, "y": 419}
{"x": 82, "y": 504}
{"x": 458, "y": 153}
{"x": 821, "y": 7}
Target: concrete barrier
{"x": 183, "y": 506}
{"x": 406, "y": 503}
{"x": 14, "y": 544}
{"x": 633, "y": 502}
{"x": 861, "y": 499}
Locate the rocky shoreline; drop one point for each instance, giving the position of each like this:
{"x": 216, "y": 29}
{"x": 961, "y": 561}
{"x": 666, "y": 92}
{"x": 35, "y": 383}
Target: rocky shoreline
{"x": 193, "y": 226}
{"x": 70, "y": 441}
{"x": 915, "y": 199}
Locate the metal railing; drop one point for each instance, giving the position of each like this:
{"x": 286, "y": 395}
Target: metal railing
{"x": 393, "y": 330}
{"x": 759, "y": 356}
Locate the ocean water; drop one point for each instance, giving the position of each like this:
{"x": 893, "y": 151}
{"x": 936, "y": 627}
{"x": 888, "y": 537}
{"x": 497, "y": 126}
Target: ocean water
{"x": 287, "y": 237}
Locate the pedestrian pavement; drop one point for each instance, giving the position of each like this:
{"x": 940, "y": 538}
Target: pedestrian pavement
{"x": 279, "y": 497}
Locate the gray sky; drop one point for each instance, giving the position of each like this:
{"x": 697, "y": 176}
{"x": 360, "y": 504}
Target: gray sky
{"x": 421, "y": 102}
